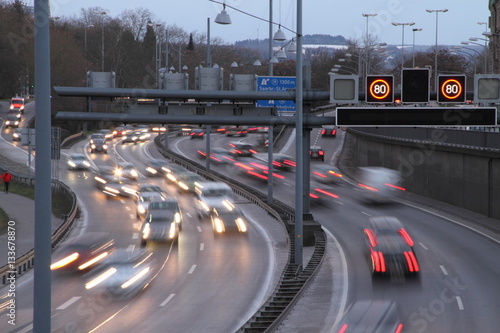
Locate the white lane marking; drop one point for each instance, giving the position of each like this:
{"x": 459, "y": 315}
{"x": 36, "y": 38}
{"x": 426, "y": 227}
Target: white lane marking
{"x": 189, "y": 215}
{"x": 191, "y": 270}
{"x": 445, "y": 272}
{"x": 132, "y": 216}
{"x": 136, "y": 225}
{"x": 199, "y": 228}
{"x": 202, "y": 246}
{"x": 169, "y": 298}
{"x": 128, "y": 208}
{"x": 365, "y": 213}
{"x": 135, "y": 235}
{"x": 68, "y": 303}
{"x": 27, "y": 329}
{"x": 122, "y": 201}
{"x": 460, "y": 303}
{"x": 131, "y": 248}
{"x": 338, "y": 202}
{"x": 423, "y": 246}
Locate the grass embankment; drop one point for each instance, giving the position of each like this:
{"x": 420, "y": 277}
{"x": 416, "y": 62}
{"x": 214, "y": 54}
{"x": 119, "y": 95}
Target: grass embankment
{"x": 60, "y": 203}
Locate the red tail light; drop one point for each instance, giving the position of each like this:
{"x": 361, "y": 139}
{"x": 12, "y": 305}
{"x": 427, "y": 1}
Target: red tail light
{"x": 371, "y": 237}
{"x": 412, "y": 261}
{"x": 406, "y": 236}
{"x": 396, "y": 187}
{"x": 321, "y": 152}
{"x": 327, "y": 193}
{"x": 314, "y": 196}
{"x": 323, "y": 132}
{"x": 368, "y": 187}
{"x": 257, "y": 174}
{"x": 343, "y": 329}
{"x": 399, "y": 329}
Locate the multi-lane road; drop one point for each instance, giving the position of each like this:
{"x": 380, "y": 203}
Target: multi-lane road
{"x": 206, "y": 284}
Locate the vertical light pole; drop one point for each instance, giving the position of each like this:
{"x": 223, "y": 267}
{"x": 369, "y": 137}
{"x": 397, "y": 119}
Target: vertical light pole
{"x": 102, "y": 39}
{"x": 366, "y": 41}
{"x": 403, "y": 40}
{"x": 437, "y": 11}
{"x": 299, "y": 149}
{"x": 413, "y": 52}
{"x": 270, "y": 37}
{"x": 85, "y": 48}
{"x": 209, "y": 54}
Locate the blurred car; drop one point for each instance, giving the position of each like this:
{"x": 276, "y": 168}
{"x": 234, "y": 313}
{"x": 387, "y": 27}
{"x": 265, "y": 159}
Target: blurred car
{"x": 82, "y": 253}
{"x": 373, "y": 316}
{"x": 329, "y": 131}
{"x": 227, "y": 218}
{"x": 321, "y": 196}
{"x": 12, "y": 121}
{"x": 257, "y": 170}
{"x": 186, "y": 181}
{"x": 95, "y": 136}
{"x": 241, "y": 149}
{"x": 78, "y": 161}
{"x": 99, "y": 145}
{"x": 131, "y": 137}
{"x": 283, "y": 162}
{"x": 108, "y": 134}
{"x": 379, "y": 185}
{"x": 16, "y": 135}
{"x": 143, "y": 200}
{"x": 160, "y": 225}
{"x": 143, "y": 135}
{"x": 170, "y": 204}
{"x": 127, "y": 170}
{"x": 391, "y": 247}
{"x": 237, "y": 131}
{"x": 155, "y": 167}
{"x": 17, "y": 103}
{"x": 326, "y": 174}
{"x": 257, "y": 129}
{"x": 197, "y": 133}
{"x": 316, "y": 153}
{"x": 15, "y": 112}
{"x": 112, "y": 185}
{"x": 119, "y": 131}
{"x": 209, "y": 195}
{"x": 217, "y": 155}
{"x": 148, "y": 187}
{"x": 122, "y": 274}
{"x": 158, "y": 128}
{"x": 172, "y": 170}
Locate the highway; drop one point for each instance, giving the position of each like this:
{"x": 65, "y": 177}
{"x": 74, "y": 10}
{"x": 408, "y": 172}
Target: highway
{"x": 214, "y": 285}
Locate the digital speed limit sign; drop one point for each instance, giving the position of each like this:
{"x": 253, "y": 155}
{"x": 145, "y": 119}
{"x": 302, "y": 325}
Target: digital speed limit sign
{"x": 379, "y": 89}
{"x": 451, "y": 89}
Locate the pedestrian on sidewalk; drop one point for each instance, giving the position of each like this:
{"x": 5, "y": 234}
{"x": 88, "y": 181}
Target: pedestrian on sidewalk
{"x": 7, "y": 177}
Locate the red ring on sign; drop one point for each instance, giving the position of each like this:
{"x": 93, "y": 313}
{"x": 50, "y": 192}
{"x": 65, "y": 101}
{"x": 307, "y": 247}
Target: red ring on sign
{"x": 382, "y": 96}
{"x": 449, "y": 82}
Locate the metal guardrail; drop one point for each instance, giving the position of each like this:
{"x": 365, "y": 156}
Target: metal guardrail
{"x": 293, "y": 280}
{"x": 27, "y": 260}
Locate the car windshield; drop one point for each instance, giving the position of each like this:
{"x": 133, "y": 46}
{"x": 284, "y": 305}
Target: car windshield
{"x": 160, "y": 205}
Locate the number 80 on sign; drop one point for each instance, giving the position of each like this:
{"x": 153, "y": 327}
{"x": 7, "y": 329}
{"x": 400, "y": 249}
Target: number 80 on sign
{"x": 451, "y": 89}
{"x": 379, "y": 89}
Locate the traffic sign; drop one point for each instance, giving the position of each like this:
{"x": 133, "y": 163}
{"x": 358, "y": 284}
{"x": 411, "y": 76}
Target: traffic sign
{"x": 415, "y": 85}
{"x": 379, "y": 89}
{"x": 451, "y": 89}
{"x": 344, "y": 89}
{"x": 487, "y": 88}
{"x": 413, "y": 117}
{"x": 277, "y": 83}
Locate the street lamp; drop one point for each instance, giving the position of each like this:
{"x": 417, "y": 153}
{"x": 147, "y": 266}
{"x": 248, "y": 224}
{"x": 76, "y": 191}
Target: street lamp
{"x": 437, "y": 11}
{"x": 403, "y": 39}
{"x": 473, "y": 40}
{"x": 414, "y": 30}
{"x": 155, "y": 27}
{"x": 366, "y": 40}
{"x": 102, "y": 40}
{"x": 85, "y": 43}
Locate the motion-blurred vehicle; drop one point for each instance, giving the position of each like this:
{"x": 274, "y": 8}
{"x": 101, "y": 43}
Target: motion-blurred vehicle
{"x": 316, "y": 153}
{"x": 83, "y": 252}
{"x": 391, "y": 248}
{"x": 78, "y": 161}
{"x": 379, "y": 185}
{"x": 108, "y": 134}
{"x": 12, "y": 121}
{"x": 154, "y": 168}
{"x": 17, "y": 103}
{"x": 217, "y": 155}
{"x": 257, "y": 169}
{"x": 321, "y": 196}
{"x": 149, "y": 187}
{"x": 112, "y": 185}
{"x": 122, "y": 274}
{"x": 209, "y": 195}
{"x": 227, "y": 218}
{"x": 172, "y": 170}
{"x": 170, "y": 204}
{"x": 127, "y": 170}
{"x": 15, "y": 112}
{"x": 131, "y": 137}
{"x": 237, "y": 131}
{"x": 95, "y": 136}
{"x": 326, "y": 174}
{"x": 119, "y": 131}
{"x": 16, "y": 135}
{"x": 99, "y": 145}
{"x": 160, "y": 225}
{"x": 371, "y": 316}
{"x": 283, "y": 162}
{"x": 143, "y": 200}
{"x": 186, "y": 181}
{"x": 197, "y": 133}
{"x": 329, "y": 131}
{"x": 241, "y": 149}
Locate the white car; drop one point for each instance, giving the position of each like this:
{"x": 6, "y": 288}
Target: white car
{"x": 78, "y": 162}
{"x": 143, "y": 200}
{"x": 126, "y": 170}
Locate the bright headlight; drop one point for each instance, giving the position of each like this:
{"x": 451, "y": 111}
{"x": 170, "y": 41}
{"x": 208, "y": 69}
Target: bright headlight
{"x": 134, "y": 173}
{"x": 177, "y": 218}
{"x": 71, "y": 164}
{"x": 105, "y": 146}
{"x": 141, "y": 209}
{"x": 92, "y": 146}
{"x": 146, "y": 231}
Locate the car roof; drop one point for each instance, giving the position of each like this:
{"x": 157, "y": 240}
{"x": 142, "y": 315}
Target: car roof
{"x": 372, "y": 315}
{"x": 386, "y": 223}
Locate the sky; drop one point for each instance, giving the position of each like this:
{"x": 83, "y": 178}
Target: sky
{"x": 332, "y": 17}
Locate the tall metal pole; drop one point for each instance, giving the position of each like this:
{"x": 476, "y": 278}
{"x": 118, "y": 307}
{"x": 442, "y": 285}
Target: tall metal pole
{"x": 102, "y": 47}
{"x": 413, "y": 51}
{"x": 437, "y": 11}
{"x": 166, "y": 51}
{"x": 299, "y": 149}
{"x": 43, "y": 199}
{"x": 270, "y": 37}
{"x": 209, "y": 55}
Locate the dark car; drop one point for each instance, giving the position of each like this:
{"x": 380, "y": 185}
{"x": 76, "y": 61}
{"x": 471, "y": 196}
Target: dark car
{"x": 316, "y": 153}
{"x": 241, "y": 149}
{"x": 161, "y": 226}
{"x": 131, "y": 137}
{"x": 186, "y": 181}
{"x": 283, "y": 162}
{"x": 228, "y": 218}
{"x": 16, "y": 135}
{"x": 12, "y": 121}
{"x": 78, "y": 161}
{"x": 391, "y": 248}
{"x": 99, "y": 145}
{"x": 169, "y": 204}
{"x": 96, "y": 136}
{"x": 197, "y": 133}
{"x": 155, "y": 168}
{"x": 83, "y": 252}
{"x": 329, "y": 131}
{"x": 237, "y": 131}
{"x": 112, "y": 185}
{"x": 217, "y": 155}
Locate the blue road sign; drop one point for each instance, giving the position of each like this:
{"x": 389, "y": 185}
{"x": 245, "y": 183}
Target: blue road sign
{"x": 276, "y": 83}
